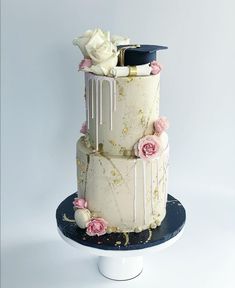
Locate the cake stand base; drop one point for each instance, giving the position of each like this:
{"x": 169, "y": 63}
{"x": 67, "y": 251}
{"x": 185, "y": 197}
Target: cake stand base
{"x": 121, "y": 254}
{"x": 120, "y": 268}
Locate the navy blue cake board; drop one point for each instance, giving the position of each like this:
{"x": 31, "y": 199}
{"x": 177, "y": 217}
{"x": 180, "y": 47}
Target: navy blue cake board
{"x": 171, "y": 225}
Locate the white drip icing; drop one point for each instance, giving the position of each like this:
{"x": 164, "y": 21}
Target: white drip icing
{"x": 135, "y": 190}
{"x": 165, "y": 183}
{"x": 101, "y": 102}
{"x": 111, "y": 105}
{"x": 94, "y": 101}
{"x": 92, "y": 98}
{"x": 114, "y": 96}
{"x": 96, "y": 115}
{"x": 145, "y": 190}
{"x": 157, "y": 178}
{"x": 87, "y": 100}
{"x": 152, "y": 192}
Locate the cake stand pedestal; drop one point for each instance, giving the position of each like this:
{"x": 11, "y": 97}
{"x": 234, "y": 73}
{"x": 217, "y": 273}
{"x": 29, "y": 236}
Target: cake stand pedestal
{"x": 121, "y": 254}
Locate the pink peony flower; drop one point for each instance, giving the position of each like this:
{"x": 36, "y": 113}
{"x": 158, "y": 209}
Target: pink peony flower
{"x": 160, "y": 125}
{"x": 97, "y": 226}
{"x": 148, "y": 147}
{"x": 85, "y": 63}
{"x": 84, "y": 129}
{"x": 79, "y": 203}
{"x": 156, "y": 67}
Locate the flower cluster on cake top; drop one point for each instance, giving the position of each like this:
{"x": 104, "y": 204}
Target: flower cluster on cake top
{"x": 102, "y": 53}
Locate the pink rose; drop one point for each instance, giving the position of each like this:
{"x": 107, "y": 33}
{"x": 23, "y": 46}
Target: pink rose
{"x": 160, "y": 125}
{"x": 147, "y": 147}
{"x": 96, "y": 226}
{"x": 156, "y": 67}
{"x": 85, "y": 63}
{"x": 79, "y": 203}
{"x": 84, "y": 129}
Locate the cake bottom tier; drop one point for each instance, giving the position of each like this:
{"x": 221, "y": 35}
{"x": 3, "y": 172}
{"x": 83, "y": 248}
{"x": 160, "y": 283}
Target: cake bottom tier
{"x": 129, "y": 193}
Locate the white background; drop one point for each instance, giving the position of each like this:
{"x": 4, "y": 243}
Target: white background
{"x": 42, "y": 111}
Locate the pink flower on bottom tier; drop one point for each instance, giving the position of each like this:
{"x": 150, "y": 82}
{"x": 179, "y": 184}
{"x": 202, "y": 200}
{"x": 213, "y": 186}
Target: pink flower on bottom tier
{"x": 97, "y": 226}
{"x": 148, "y": 147}
{"x": 160, "y": 125}
{"x": 79, "y": 203}
{"x": 85, "y": 63}
{"x": 156, "y": 67}
{"x": 84, "y": 129}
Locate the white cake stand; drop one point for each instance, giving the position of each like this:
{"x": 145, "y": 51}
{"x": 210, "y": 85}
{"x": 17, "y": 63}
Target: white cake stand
{"x": 121, "y": 265}
{"x": 121, "y": 258}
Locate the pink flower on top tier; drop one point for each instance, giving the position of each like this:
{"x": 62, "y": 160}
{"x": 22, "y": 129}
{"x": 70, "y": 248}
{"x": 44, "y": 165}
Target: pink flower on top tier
{"x": 160, "y": 125}
{"x": 79, "y": 203}
{"x": 85, "y": 63}
{"x": 97, "y": 226}
{"x": 84, "y": 128}
{"x": 156, "y": 67}
{"x": 148, "y": 147}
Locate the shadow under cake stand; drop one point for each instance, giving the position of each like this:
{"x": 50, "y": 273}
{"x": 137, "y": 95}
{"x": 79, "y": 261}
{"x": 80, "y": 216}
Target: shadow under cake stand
{"x": 121, "y": 254}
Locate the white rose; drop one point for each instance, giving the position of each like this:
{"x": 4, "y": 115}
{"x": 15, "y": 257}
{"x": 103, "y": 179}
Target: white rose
{"x": 120, "y": 40}
{"x": 96, "y": 45}
{"x": 104, "y": 68}
{"x": 82, "y": 41}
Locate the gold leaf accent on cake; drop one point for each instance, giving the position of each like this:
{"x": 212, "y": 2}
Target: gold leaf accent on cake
{"x": 143, "y": 121}
{"x": 117, "y": 181}
{"x": 86, "y": 173}
{"x": 122, "y": 150}
{"x": 112, "y": 142}
{"x": 142, "y": 118}
{"x": 129, "y": 79}
{"x": 65, "y": 218}
{"x": 150, "y": 113}
{"x": 87, "y": 141}
{"x": 117, "y": 243}
{"x": 120, "y": 92}
{"x": 149, "y": 236}
{"x": 127, "y": 238}
{"x": 155, "y": 193}
{"x": 113, "y": 172}
{"x": 80, "y": 179}
{"x": 128, "y": 153}
{"x": 118, "y": 178}
{"x": 125, "y": 131}
{"x": 81, "y": 165}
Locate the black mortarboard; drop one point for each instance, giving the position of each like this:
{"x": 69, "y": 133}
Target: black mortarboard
{"x": 134, "y": 54}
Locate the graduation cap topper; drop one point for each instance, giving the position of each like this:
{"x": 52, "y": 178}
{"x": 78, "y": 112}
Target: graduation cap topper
{"x": 136, "y": 54}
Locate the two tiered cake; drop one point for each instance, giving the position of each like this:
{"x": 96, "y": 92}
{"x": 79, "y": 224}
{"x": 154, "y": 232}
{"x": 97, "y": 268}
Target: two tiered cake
{"x": 122, "y": 159}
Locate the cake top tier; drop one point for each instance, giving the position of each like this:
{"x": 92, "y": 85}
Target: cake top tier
{"x": 104, "y": 54}
{"x": 122, "y": 84}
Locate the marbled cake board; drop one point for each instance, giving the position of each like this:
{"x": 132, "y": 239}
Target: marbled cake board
{"x": 170, "y": 227}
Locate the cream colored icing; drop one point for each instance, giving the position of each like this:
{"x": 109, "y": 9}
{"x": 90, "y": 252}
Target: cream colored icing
{"x": 120, "y": 111}
{"x": 128, "y": 192}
